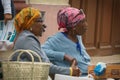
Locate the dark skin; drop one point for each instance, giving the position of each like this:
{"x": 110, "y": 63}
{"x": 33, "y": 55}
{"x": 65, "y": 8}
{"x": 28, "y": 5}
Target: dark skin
{"x": 72, "y": 33}
{"x": 38, "y": 28}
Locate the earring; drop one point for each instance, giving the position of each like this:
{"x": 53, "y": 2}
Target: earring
{"x": 31, "y": 28}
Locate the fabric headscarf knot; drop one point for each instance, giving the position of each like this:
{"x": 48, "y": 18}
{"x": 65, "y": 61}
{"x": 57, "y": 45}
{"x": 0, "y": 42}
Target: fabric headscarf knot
{"x": 26, "y": 18}
{"x": 69, "y": 17}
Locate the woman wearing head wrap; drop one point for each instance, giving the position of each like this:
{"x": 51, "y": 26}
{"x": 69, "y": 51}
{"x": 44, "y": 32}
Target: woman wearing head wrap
{"x": 66, "y": 48}
{"x": 29, "y": 26}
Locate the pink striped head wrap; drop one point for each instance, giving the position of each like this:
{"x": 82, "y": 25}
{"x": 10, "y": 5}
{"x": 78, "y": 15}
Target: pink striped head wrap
{"x": 69, "y": 17}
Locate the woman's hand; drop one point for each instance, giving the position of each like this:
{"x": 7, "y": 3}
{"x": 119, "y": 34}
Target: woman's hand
{"x": 76, "y": 71}
{"x": 7, "y": 17}
{"x": 74, "y": 62}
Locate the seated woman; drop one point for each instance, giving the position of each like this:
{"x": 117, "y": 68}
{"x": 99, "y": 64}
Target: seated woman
{"x": 66, "y": 47}
{"x": 29, "y": 27}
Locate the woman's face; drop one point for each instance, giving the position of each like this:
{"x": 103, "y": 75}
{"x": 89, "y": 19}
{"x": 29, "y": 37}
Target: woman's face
{"x": 38, "y": 28}
{"x": 81, "y": 27}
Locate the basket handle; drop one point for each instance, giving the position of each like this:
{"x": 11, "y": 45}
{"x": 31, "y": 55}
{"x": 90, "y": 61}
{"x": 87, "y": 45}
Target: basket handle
{"x": 21, "y": 51}
{"x": 31, "y": 52}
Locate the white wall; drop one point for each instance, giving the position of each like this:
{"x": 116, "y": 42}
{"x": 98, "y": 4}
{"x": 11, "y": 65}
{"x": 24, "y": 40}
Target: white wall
{"x": 51, "y": 2}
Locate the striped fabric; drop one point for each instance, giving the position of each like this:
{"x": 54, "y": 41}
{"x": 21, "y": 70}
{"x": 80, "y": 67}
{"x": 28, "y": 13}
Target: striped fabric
{"x": 26, "y": 18}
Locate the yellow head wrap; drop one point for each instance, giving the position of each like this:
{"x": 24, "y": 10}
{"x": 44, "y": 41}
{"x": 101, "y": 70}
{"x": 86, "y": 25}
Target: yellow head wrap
{"x": 26, "y": 18}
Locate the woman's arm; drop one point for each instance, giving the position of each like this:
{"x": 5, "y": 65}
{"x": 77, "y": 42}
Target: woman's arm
{"x": 7, "y": 10}
{"x": 51, "y": 53}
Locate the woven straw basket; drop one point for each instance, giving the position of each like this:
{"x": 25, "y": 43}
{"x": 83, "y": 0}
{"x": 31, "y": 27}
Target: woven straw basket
{"x": 17, "y": 70}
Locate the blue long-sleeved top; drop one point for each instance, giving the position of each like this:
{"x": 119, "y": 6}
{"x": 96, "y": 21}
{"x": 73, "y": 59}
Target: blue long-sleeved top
{"x": 58, "y": 45}
{"x": 27, "y": 40}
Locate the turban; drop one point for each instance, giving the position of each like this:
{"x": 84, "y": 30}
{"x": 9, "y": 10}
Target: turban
{"x": 69, "y": 17}
{"x": 26, "y": 18}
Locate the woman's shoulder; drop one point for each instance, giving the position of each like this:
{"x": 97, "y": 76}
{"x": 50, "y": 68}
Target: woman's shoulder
{"x": 26, "y": 35}
{"x": 56, "y": 36}
{"x": 27, "y": 39}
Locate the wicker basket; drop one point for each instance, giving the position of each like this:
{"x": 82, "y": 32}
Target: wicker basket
{"x": 17, "y": 70}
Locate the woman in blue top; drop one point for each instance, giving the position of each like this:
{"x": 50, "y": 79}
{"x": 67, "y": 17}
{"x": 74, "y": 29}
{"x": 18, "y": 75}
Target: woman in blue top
{"x": 66, "y": 47}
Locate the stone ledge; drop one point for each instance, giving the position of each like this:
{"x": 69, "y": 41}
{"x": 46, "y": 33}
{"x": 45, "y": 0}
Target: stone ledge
{"x": 106, "y": 59}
